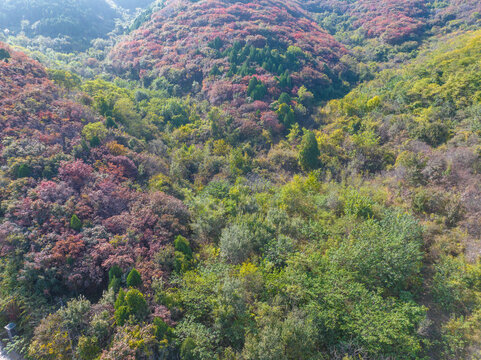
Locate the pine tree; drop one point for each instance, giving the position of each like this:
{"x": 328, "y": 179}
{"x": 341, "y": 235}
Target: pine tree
{"x": 134, "y": 279}
{"x": 115, "y": 272}
{"x": 309, "y": 152}
{"x": 75, "y": 223}
{"x": 284, "y": 98}
{"x": 216, "y": 44}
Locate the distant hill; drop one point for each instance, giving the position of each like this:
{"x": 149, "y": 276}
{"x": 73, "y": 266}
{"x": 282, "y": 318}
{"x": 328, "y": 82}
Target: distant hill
{"x": 77, "y": 20}
{"x": 393, "y": 21}
{"x": 133, "y": 4}
{"x": 457, "y": 13}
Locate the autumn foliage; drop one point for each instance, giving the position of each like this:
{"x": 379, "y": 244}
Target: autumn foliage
{"x": 215, "y": 47}
{"x": 393, "y": 21}
{"x": 58, "y": 186}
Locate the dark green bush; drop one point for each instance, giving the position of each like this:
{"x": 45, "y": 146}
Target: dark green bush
{"x": 134, "y": 279}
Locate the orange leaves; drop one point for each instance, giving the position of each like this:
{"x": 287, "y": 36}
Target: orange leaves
{"x": 67, "y": 248}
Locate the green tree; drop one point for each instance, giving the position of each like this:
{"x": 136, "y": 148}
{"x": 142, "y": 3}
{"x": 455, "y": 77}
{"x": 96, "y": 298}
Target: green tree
{"x": 236, "y": 243}
{"x": 87, "y": 348}
{"x": 358, "y": 205}
{"x": 215, "y": 71}
{"x": 23, "y": 171}
{"x": 129, "y": 304}
{"x": 187, "y": 349}
{"x": 4, "y": 55}
{"x": 121, "y": 315}
{"x": 284, "y": 98}
{"x": 136, "y": 303}
{"x": 75, "y": 223}
{"x": 115, "y": 272}
{"x": 120, "y": 301}
{"x": 162, "y": 330}
{"x": 309, "y": 152}
{"x": 125, "y": 112}
{"x": 134, "y": 279}
{"x": 182, "y": 244}
{"x": 64, "y": 78}
{"x": 115, "y": 284}
{"x": 383, "y": 254}
{"x": 256, "y": 89}
{"x": 183, "y": 254}
{"x": 286, "y": 114}
{"x": 285, "y": 80}
{"x": 305, "y": 97}
{"x": 216, "y": 44}
{"x": 94, "y": 133}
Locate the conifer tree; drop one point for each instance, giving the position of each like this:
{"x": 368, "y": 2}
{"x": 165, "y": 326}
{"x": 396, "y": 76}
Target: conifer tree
{"x": 309, "y": 152}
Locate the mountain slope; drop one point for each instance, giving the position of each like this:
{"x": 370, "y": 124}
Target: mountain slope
{"x": 216, "y": 47}
{"x": 68, "y": 206}
{"x": 429, "y": 108}
{"x": 79, "y": 21}
{"x": 214, "y": 194}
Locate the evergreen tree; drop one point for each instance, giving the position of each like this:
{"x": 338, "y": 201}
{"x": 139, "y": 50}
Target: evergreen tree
{"x": 256, "y": 89}
{"x": 187, "y": 349}
{"x": 23, "y": 171}
{"x": 182, "y": 244}
{"x": 4, "y": 55}
{"x": 216, "y": 44}
{"x": 134, "y": 279}
{"x": 120, "y": 301}
{"x": 309, "y": 152}
{"x": 245, "y": 70}
{"x": 115, "y": 272}
{"x": 75, "y": 223}
{"x": 284, "y": 98}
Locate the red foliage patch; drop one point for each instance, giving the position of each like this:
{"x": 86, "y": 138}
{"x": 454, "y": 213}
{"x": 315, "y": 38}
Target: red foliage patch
{"x": 71, "y": 217}
{"x": 394, "y": 21}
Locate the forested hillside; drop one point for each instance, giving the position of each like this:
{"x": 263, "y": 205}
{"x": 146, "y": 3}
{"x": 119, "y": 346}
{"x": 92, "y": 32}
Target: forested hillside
{"x": 235, "y": 180}
{"x": 241, "y": 57}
